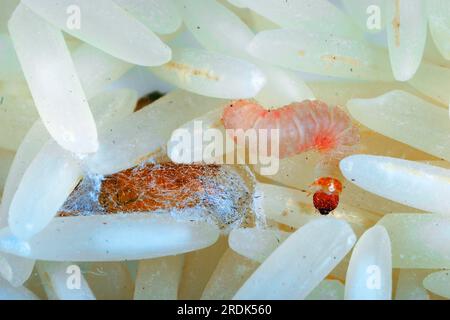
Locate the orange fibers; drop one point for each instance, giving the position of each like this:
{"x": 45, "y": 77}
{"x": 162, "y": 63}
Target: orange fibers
{"x": 304, "y": 126}
{"x": 220, "y": 192}
{"x": 156, "y": 187}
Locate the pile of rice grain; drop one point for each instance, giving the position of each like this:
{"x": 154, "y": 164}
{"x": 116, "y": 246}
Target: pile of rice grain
{"x": 71, "y": 72}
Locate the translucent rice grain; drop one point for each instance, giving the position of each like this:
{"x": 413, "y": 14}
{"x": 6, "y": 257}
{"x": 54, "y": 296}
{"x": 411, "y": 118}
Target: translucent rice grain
{"x": 339, "y": 92}
{"x": 254, "y": 243}
{"x": 407, "y": 34}
{"x": 406, "y": 118}
{"x": 410, "y": 183}
{"x": 37, "y": 199}
{"x": 409, "y": 285}
{"x": 17, "y": 109}
{"x": 223, "y": 31}
{"x": 282, "y": 87}
{"x": 220, "y": 30}
{"x": 432, "y": 54}
{"x": 294, "y": 208}
{"x": 33, "y": 142}
{"x": 438, "y": 283}
{"x": 231, "y": 273}
{"x": 106, "y": 26}
{"x": 433, "y": 81}
{"x": 107, "y": 108}
{"x": 211, "y": 74}
{"x": 327, "y": 290}
{"x": 370, "y": 202}
{"x": 17, "y": 115}
{"x": 369, "y": 274}
{"x": 198, "y": 267}
{"x": 111, "y": 238}
{"x": 110, "y": 281}
{"x": 96, "y": 69}
{"x": 143, "y": 134}
{"x": 9, "y": 65}
{"x": 418, "y": 241}
{"x": 52, "y": 79}
{"x": 160, "y": 16}
{"x": 321, "y": 53}
{"x": 8, "y": 292}
{"x": 111, "y": 106}
{"x": 158, "y": 279}
{"x": 310, "y": 13}
{"x": 6, "y": 159}
{"x": 296, "y": 268}
{"x": 439, "y": 21}
{"x": 369, "y": 15}
{"x": 197, "y": 151}
{"x": 377, "y": 144}
{"x": 16, "y": 270}
{"x": 62, "y": 282}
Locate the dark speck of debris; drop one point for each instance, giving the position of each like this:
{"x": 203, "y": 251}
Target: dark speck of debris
{"x": 148, "y": 99}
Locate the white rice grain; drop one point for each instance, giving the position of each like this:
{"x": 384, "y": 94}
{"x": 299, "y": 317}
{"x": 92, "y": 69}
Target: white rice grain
{"x": 320, "y": 53}
{"x": 407, "y": 34}
{"x": 406, "y": 118}
{"x": 254, "y": 243}
{"x": 45, "y": 185}
{"x": 414, "y": 184}
{"x": 296, "y": 267}
{"x": 106, "y": 26}
{"x": 111, "y": 238}
{"x": 419, "y": 241}
{"x": 158, "y": 279}
{"x": 310, "y": 13}
{"x": 438, "y": 283}
{"x": 53, "y": 82}
{"x": 369, "y": 274}
{"x": 211, "y": 74}
{"x": 160, "y": 16}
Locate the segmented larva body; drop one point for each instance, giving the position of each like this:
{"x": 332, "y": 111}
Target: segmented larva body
{"x": 303, "y": 126}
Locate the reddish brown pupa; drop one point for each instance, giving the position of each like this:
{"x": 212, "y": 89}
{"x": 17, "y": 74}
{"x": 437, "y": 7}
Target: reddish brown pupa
{"x": 326, "y": 195}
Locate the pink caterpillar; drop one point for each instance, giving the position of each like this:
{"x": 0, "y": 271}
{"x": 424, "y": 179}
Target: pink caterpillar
{"x": 304, "y": 126}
